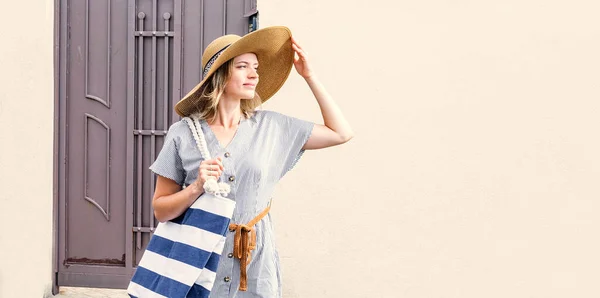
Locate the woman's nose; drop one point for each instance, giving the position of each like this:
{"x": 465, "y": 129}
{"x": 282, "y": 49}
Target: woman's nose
{"x": 253, "y": 73}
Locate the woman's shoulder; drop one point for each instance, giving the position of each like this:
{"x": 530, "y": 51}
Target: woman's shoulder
{"x": 178, "y": 129}
{"x": 178, "y": 126}
{"x": 267, "y": 115}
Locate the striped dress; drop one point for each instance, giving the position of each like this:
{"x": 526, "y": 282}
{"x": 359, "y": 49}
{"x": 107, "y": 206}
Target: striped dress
{"x": 264, "y": 148}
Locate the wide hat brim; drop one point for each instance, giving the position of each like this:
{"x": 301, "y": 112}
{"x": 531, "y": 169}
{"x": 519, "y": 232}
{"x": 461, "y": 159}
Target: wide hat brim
{"x": 273, "y": 48}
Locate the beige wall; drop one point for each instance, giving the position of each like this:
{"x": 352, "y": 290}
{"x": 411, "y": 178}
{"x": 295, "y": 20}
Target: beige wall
{"x": 26, "y": 119}
{"x": 474, "y": 171}
{"x": 476, "y": 164}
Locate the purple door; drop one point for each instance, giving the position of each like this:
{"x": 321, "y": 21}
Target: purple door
{"x": 122, "y": 65}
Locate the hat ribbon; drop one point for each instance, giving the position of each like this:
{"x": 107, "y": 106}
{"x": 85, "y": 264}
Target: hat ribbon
{"x": 212, "y": 60}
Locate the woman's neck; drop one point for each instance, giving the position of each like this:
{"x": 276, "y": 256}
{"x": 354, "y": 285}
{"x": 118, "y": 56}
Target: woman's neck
{"x": 228, "y": 113}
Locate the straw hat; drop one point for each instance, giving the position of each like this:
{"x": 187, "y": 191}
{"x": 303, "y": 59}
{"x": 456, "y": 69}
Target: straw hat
{"x": 273, "y": 48}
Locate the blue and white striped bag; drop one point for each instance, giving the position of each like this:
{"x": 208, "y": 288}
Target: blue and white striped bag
{"x": 182, "y": 256}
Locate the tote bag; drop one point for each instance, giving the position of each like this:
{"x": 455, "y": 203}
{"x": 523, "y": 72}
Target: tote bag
{"x": 182, "y": 256}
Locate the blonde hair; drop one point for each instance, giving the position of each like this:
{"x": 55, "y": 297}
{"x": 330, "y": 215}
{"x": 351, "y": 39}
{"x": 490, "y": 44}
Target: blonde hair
{"x": 210, "y": 95}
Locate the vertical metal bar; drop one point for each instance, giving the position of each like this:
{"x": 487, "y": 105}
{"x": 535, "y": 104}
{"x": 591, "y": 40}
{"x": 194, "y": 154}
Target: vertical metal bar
{"x": 178, "y": 54}
{"x": 140, "y": 116}
{"x": 130, "y": 136}
{"x": 109, "y": 47}
{"x": 153, "y": 103}
{"x": 202, "y": 29}
{"x": 154, "y": 15}
{"x": 108, "y": 129}
{"x": 87, "y": 45}
{"x": 224, "y": 17}
{"x": 201, "y": 34}
{"x": 167, "y": 17}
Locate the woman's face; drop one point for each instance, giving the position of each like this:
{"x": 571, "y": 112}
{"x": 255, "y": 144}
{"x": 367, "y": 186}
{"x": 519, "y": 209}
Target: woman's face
{"x": 244, "y": 77}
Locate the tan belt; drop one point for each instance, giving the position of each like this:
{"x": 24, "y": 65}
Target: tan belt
{"x": 243, "y": 244}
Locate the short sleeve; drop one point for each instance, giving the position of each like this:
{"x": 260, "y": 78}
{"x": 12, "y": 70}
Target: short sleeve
{"x": 168, "y": 162}
{"x": 293, "y": 133}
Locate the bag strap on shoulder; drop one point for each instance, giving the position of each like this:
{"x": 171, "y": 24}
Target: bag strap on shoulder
{"x": 194, "y": 125}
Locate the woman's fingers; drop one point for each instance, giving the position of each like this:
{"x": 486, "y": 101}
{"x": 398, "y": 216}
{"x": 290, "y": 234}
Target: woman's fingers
{"x": 300, "y": 52}
{"x": 212, "y": 164}
{"x": 208, "y": 169}
{"x": 204, "y": 176}
{"x": 295, "y": 43}
{"x": 211, "y": 167}
{"x": 219, "y": 162}
{"x": 213, "y": 172}
{"x": 296, "y": 48}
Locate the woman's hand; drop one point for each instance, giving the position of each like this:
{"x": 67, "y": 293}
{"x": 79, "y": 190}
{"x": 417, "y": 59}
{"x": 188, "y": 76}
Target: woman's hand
{"x": 170, "y": 201}
{"x": 301, "y": 61}
{"x": 209, "y": 169}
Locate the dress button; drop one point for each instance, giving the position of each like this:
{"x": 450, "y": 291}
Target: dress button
{"x": 227, "y": 154}
{"x": 231, "y": 178}
{"x": 230, "y": 255}
{"x": 226, "y": 279}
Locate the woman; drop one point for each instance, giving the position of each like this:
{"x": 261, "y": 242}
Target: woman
{"x": 253, "y": 149}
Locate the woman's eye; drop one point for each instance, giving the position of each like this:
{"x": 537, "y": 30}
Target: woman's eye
{"x": 242, "y": 66}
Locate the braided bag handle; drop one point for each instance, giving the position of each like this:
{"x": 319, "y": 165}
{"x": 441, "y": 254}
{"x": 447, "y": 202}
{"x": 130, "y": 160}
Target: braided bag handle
{"x": 211, "y": 185}
{"x": 194, "y": 125}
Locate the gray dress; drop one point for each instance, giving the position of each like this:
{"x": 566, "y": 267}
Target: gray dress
{"x": 264, "y": 148}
